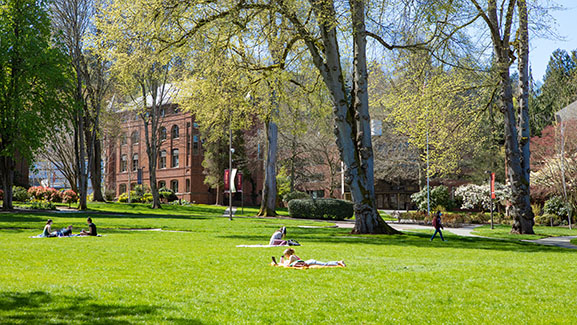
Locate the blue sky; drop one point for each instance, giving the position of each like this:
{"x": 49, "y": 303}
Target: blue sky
{"x": 566, "y": 27}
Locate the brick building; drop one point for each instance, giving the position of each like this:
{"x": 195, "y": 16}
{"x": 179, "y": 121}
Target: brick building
{"x": 179, "y": 165}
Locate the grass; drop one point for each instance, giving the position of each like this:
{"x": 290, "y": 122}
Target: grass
{"x": 199, "y": 276}
{"x": 504, "y": 232}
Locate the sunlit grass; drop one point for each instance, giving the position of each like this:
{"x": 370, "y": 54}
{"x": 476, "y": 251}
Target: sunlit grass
{"x": 504, "y": 232}
{"x": 200, "y": 276}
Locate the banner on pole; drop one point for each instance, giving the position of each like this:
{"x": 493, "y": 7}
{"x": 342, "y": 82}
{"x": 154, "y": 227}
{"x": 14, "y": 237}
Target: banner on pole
{"x": 232, "y": 186}
{"x": 238, "y": 182}
{"x": 493, "y": 186}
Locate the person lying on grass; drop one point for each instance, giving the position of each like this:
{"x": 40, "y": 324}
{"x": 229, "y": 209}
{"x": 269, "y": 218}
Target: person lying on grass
{"x": 92, "y": 229}
{"x": 47, "y": 232}
{"x": 65, "y": 232}
{"x": 289, "y": 259}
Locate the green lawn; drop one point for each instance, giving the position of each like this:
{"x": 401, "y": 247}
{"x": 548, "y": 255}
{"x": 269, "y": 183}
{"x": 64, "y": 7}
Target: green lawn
{"x": 504, "y": 232}
{"x": 198, "y": 276}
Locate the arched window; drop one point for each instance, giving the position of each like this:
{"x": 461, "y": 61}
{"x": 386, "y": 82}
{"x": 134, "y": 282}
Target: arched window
{"x": 134, "y": 137}
{"x": 174, "y": 185}
{"x": 195, "y": 144}
{"x": 135, "y": 162}
{"x": 162, "y": 133}
{"x": 123, "y": 139}
{"x": 174, "y": 158}
{"x": 162, "y": 159}
{"x": 123, "y": 163}
{"x": 121, "y": 189}
{"x": 161, "y": 184}
{"x": 174, "y": 132}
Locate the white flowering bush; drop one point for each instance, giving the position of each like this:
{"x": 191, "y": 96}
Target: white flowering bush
{"x": 477, "y": 196}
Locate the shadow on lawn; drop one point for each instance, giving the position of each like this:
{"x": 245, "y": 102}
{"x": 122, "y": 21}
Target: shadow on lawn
{"x": 41, "y": 308}
{"x": 310, "y": 236}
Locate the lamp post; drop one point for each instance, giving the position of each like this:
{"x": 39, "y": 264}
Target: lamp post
{"x": 230, "y": 179}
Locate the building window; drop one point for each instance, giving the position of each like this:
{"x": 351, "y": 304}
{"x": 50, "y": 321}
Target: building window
{"x": 123, "y": 163}
{"x": 174, "y": 185}
{"x": 162, "y": 133}
{"x": 123, "y": 139}
{"x": 195, "y": 125}
{"x": 121, "y": 189}
{"x": 161, "y": 184}
{"x": 162, "y": 159}
{"x": 175, "y": 132}
{"x": 135, "y": 162}
{"x": 174, "y": 158}
{"x": 134, "y": 138}
{"x": 187, "y": 185}
{"x": 162, "y": 112}
{"x": 195, "y": 144}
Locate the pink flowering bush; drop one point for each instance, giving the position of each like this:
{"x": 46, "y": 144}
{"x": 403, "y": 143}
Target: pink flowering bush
{"x": 49, "y": 194}
{"x": 69, "y": 196}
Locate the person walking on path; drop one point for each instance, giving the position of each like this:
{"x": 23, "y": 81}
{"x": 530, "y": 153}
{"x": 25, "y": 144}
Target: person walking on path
{"x": 438, "y": 225}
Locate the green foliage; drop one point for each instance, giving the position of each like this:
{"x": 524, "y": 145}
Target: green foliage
{"x": 20, "y": 194}
{"x": 109, "y": 194}
{"x": 32, "y": 77}
{"x": 283, "y": 185}
{"x": 42, "y": 205}
{"x": 331, "y": 209}
{"x": 167, "y": 194}
{"x": 123, "y": 198}
{"x": 549, "y": 219}
{"x": 295, "y": 195}
{"x": 556, "y": 205}
{"x": 439, "y": 197}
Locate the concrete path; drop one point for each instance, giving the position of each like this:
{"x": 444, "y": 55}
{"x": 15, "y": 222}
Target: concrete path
{"x": 562, "y": 241}
{"x": 465, "y": 231}
{"x": 227, "y": 213}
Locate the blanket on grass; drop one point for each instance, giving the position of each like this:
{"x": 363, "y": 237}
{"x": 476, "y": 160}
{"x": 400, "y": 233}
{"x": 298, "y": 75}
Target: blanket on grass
{"x": 40, "y": 236}
{"x": 261, "y": 245}
{"x": 303, "y": 267}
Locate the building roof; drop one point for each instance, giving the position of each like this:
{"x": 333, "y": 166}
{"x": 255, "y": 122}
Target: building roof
{"x": 168, "y": 95}
{"x": 568, "y": 113}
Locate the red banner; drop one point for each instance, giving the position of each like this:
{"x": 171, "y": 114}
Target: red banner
{"x": 493, "y": 186}
{"x": 226, "y": 179}
{"x": 238, "y": 182}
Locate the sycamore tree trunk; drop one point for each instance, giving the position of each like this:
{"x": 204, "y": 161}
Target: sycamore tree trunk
{"x": 520, "y": 199}
{"x": 96, "y": 170}
{"x": 268, "y": 202}
{"x": 79, "y": 144}
{"x": 352, "y": 119}
{"x": 525, "y": 219}
{"x": 152, "y": 118}
{"x": 7, "y": 166}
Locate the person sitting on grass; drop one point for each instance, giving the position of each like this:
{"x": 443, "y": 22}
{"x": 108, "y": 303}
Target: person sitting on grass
{"x": 277, "y": 238}
{"x": 92, "y": 229}
{"x": 65, "y": 232}
{"x": 47, "y": 232}
{"x": 289, "y": 259}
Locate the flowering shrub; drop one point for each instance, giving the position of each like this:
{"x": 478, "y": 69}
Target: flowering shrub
{"x": 439, "y": 197}
{"x": 49, "y": 194}
{"x": 36, "y": 192}
{"x": 20, "y": 194}
{"x": 478, "y": 196}
{"x": 69, "y": 196}
{"x": 52, "y": 195}
{"x": 556, "y": 206}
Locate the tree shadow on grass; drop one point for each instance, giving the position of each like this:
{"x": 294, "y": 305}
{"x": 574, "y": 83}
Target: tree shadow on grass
{"x": 409, "y": 239}
{"x": 40, "y": 307}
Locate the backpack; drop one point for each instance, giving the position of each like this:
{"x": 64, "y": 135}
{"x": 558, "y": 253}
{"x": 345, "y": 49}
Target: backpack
{"x": 435, "y": 222}
{"x": 292, "y": 242}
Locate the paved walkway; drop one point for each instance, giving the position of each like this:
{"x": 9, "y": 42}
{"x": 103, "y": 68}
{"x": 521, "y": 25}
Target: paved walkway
{"x": 465, "y": 231}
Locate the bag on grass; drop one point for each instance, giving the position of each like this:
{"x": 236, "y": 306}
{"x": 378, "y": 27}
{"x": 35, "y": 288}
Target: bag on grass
{"x": 292, "y": 242}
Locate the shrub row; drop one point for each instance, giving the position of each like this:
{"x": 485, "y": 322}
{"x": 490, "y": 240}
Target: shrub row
{"x": 40, "y": 193}
{"x": 331, "y": 209}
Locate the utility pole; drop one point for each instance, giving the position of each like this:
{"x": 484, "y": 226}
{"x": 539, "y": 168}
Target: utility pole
{"x": 230, "y": 179}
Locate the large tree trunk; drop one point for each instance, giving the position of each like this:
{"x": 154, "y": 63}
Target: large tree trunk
{"x": 7, "y": 166}
{"x": 79, "y": 144}
{"x": 524, "y": 218}
{"x": 367, "y": 218}
{"x": 268, "y": 202}
{"x": 96, "y": 170}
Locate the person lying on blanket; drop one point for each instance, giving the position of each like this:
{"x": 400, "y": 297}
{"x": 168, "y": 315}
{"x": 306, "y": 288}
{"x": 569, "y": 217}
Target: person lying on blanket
{"x": 277, "y": 239}
{"x": 289, "y": 259}
{"x": 65, "y": 232}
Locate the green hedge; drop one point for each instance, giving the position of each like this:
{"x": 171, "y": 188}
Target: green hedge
{"x": 331, "y": 209}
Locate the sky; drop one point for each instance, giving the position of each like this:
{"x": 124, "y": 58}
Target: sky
{"x": 566, "y": 27}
